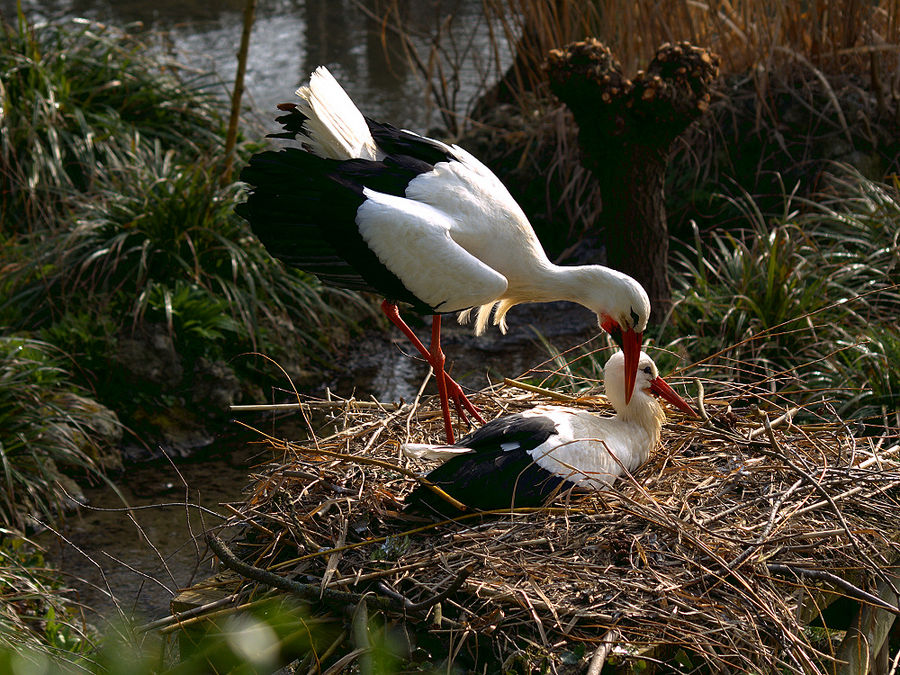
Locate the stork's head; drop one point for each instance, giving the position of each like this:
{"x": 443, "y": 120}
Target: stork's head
{"x": 622, "y": 312}
{"x": 647, "y": 383}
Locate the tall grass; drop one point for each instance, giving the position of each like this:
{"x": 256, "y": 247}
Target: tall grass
{"x": 803, "y": 302}
{"x": 825, "y": 34}
{"x": 155, "y": 225}
{"x": 43, "y": 432}
{"x": 70, "y": 96}
{"x": 35, "y": 620}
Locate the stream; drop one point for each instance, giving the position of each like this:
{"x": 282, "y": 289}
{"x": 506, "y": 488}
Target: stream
{"x": 132, "y": 562}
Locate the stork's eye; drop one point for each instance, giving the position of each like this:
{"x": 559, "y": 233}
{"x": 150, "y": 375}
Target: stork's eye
{"x": 648, "y": 370}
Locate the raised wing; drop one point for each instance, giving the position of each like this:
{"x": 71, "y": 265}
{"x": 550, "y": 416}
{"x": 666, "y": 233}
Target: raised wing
{"x": 413, "y": 241}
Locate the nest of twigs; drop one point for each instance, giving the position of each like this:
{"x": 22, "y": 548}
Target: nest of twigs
{"x": 739, "y": 532}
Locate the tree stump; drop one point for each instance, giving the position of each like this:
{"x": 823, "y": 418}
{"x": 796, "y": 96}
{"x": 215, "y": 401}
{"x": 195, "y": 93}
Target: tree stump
{"x": 625, "y": 129}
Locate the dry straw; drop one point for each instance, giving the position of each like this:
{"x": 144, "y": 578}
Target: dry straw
{"x": 724, "y": 546}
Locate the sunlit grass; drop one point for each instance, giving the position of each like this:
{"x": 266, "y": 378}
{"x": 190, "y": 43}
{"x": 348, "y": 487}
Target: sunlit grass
{"x": 827, "y": 35}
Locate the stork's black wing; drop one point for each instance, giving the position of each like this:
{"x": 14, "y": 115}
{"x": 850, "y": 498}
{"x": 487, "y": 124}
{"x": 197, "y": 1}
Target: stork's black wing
{"x": 394, "y": 141}
{"x": 303, "y": 209}
{"x": 498, "y": 473}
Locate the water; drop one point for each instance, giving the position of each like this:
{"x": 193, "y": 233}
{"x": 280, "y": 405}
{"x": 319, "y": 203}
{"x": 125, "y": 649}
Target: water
{"x": 123, "y": 563}
{"x": 292, "y": 37}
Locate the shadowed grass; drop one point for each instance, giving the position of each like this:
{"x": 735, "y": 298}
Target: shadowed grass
{"x": 112, "y": 161}
{"x": 72, "y": 94}
{"x": 33, "y": 614}
{"x": 154, "y": 227}
{"x": 44, "y": 430}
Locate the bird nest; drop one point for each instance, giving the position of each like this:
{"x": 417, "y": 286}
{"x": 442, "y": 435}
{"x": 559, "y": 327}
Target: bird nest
{"x": 723, "y": 549}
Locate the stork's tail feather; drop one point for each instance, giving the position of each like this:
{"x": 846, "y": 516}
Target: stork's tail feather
{"x": 429, "y": 451}
{"x": 334, "y": 126}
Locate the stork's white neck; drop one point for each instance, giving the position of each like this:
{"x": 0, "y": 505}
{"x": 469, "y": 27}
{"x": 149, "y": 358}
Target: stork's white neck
{"x": 645, "y": 412}
{"x": 546, "y": 282}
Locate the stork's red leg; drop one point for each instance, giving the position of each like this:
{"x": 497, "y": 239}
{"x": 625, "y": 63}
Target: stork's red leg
{"x": 453, "y": 390}
{"x": 437, "y": 364}
{"x": 392, "y": 312}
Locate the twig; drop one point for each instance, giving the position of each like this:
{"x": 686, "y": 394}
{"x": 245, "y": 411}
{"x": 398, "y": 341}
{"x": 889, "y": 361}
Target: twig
{"x": 316, "y": 405}
{"x": 314, "y": 592}
{"x": 786, "y": 417}
{"x": 454, "y": 586}
{"x": 231, "y": 135}
{"x": 843, "y": 584}
{"x": 701, "y": 406}
{"x": 310, "y": 592}
{"x": 178, "y": 617}
{"x": 607, "y": 642}
{"x": 390, "y": 466}
{"x": 549, "y": 393}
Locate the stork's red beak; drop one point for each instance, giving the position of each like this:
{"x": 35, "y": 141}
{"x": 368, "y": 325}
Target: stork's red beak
{"x": 631, "y": 345}
{"x": 662, "y": 389}
{"x": 629, "y": 342}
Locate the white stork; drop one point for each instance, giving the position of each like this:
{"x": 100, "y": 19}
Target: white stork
{"x": 523, "y": 459}
{"x": 366, "y": 206}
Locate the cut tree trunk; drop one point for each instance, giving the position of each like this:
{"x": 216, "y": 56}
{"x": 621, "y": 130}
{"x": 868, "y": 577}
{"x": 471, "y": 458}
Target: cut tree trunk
{"x": 625, "y": 129}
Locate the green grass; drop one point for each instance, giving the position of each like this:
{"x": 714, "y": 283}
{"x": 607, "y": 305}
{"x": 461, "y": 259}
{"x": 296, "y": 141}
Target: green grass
{"x": 795, "y": 298}
{"x": 154, "y": 228}
{"x": 76, "y": 94}
{"x": 35, "y": 620}
{"x": 802, "y": 302}
{"x": 44, "y": 431}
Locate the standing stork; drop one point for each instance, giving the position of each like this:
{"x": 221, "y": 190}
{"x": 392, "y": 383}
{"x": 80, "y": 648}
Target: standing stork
{"x": 526, "y": 458}
{"x": 366, "y": 206}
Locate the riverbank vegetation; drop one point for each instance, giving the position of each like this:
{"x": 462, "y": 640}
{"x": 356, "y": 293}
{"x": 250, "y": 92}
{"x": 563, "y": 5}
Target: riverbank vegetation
{"x": 131, "y": 295}
{"x": 130, "y": 291}
{"x": 120, "y": 249}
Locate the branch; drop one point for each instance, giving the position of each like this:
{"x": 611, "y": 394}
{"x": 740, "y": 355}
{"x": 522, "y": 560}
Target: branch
{"x": 821, "y": 575}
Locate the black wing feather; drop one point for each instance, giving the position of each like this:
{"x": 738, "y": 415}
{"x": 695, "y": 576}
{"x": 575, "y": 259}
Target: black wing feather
{"x": 303, "y": 209}
{"x": 490, "y": 477}
{"x": 394, "y": 141}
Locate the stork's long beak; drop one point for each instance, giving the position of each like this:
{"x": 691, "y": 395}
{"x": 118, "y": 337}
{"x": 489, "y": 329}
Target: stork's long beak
{"x": 629, "y": 342}
{"x": 662, "y": 389}
{"x": 631, "y": 345}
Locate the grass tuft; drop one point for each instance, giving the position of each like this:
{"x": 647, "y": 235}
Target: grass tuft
{"x": 74, "y": 95}
{"x": 44, "y": 430}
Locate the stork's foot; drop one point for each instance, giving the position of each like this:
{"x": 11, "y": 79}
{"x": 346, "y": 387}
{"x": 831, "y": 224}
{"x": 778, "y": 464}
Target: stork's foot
{"x": 461, "y": 402}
